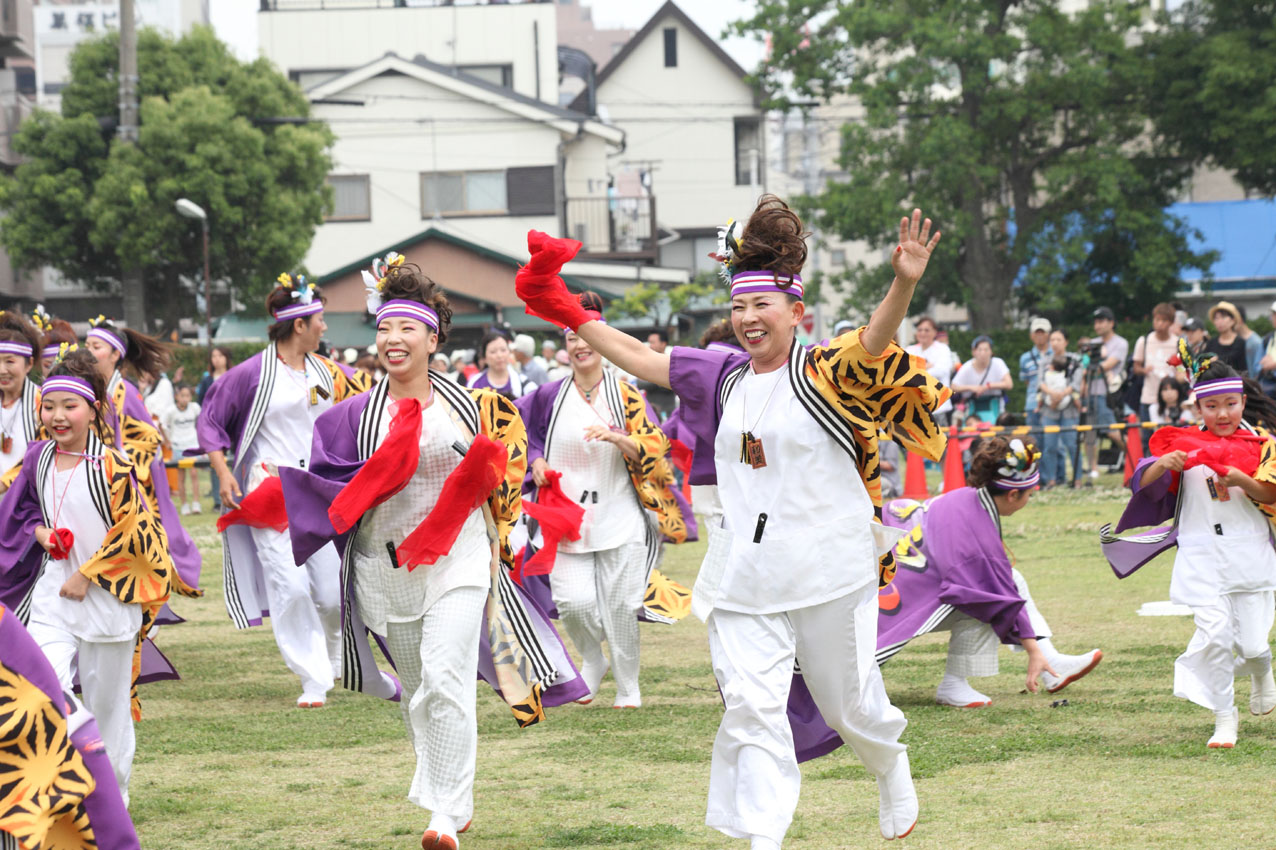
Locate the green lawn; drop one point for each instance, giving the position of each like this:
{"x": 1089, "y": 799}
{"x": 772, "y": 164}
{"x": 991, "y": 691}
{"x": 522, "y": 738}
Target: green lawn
{"x": 224, "y": 760}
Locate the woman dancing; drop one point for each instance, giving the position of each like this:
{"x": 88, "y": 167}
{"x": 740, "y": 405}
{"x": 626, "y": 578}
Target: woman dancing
{"x": 793, "y": 572}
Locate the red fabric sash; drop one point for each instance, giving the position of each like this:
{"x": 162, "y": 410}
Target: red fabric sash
{"x": 62, "y": 539}
{"x": 262, "y": 508}
{"x": 538, "y": 285}
{"x": 387, "y": 472}
{"x": 470, "y": 484}
{"x": 1241, "y": 450}
{"x": 558, "y": 516}
{"x": 681, "y": 455}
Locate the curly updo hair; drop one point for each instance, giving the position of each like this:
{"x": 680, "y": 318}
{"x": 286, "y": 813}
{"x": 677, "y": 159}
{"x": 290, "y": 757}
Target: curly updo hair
{"x": 408, "y": 283}
{"x": 1260, "y": 408}
{"x": 719, "y": 331}
{"x": 83, "y": 365}
{"x": 14, "y": 327}
{"x": 774, "y": 240}
{"x": 988, "y": 457}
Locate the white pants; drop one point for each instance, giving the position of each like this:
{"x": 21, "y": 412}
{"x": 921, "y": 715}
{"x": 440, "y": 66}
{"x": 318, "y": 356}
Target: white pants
{"x": 305, "y": 608}
{"x": 754, "y": 779}
{"x": 598, "y": 596}
{"x": 106, "y": 682}
{"x": 1237, "y": 625}
{"x": 972, "y": 644}
{"x": 436, "y": 658}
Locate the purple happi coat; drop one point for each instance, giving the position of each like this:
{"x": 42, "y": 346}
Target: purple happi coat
{"x": 37, "y": 716}
{"x": 951, "y": 559}
{"x": 337, "y": 454}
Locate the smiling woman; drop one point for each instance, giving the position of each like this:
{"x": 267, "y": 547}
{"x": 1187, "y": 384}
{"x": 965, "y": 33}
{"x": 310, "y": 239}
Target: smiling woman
{"x": 19, "y": 413}
{"x": 792, "y": 568}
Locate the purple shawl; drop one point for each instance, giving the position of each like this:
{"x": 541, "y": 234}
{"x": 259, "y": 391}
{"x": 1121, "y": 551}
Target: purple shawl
{"x": 696, "y": 376}
{"x": 104, "y": 805}
{"x": 224, "y": 412}
{"x": 308, "y": 493}
{"x": 1147, "y": 506}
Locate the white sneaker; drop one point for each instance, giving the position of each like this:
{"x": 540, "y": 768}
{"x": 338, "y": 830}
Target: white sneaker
{"x": 1070, "y": 668}
{"x": 195, "y": 508}
{"x": 1262, "y": 694}
{"x": 957, "y": 692}
{"x": 592, "y": 671}
{"x": 627, "y": 701}
{"x": 1094, "y": 473}
{"x": 1225, "y": 726}
{"x": 186, "y": 509}
{"x": 897, "y": 800}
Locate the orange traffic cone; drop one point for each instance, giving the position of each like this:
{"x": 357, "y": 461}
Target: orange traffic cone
{"x": 954, "y": 469}
{"x": 1133, "y": 446}
{"x": 915, "y": 479}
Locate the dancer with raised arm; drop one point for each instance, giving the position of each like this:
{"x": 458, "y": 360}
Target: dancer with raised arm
{"x": 264, "y": 410}
{"x": 793, "y": 570}
{"x": 418, "y": 483}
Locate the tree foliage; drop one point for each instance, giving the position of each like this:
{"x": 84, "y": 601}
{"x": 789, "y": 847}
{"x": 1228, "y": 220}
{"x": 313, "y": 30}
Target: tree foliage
{"x": 1214, "y": 93}
{"x": 661, "y": 304}
{"x": 1017, "y": 127}
{"x": 90, "y": 207}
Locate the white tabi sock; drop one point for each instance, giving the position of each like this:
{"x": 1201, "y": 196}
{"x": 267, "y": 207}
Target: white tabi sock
{"x": 442, "y": 824}
{"x": 762, "y": 843}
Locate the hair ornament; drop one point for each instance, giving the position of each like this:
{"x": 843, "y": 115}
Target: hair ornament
{"x": 63, "y": 350}
{"x": 729, "y": 237}
{"x": 374, "y": 280}
{"x": 1193, "y": 364}
{"x": 99, "y": 321}
{"x": 1020, "y": 469}
{"x": 41, "y": 319}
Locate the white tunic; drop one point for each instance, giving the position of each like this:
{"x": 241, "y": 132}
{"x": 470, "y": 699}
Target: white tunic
{"x": 100, "y": 617}
{"x": 386, "y": 594}
{"x": 613, "y": 517}
{"x": 289, "y": 424}
{"x": 1223, "y": 547}
{"x": 13, "y": 426}
{"x": 818, "y": 542}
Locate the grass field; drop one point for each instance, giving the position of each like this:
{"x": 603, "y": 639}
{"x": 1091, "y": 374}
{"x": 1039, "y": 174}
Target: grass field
{"x": 224, "y": 760}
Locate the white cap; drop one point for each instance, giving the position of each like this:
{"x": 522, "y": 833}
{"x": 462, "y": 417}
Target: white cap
{"x": 1039, "y": 324}
{"x": 524, "y": 345}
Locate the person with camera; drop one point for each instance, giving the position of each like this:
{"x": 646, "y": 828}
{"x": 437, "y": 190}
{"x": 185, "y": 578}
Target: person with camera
{"x": 1104, "y": 376}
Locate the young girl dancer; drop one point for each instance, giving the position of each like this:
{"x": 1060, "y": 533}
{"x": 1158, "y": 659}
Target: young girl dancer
{"x": 793, "y": 571}
{"x": 1218, "y": 483}
{"x": 264, "y": 410}
{"x": 106, "y": 574}
{"x": 19, "y": 395}
{"x": 418, "y": 482}
{"x": 958, "y": 576}
{"x": 594, "y": 431}
{"x": 133, "y": 431}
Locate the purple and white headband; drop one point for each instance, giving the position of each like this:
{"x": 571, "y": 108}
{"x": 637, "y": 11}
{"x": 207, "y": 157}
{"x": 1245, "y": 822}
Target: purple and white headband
{"x": 1221, "y": 386}
{"x": 763, "y": 281}
{"x": 109, "y": 338}
{"x": 297, "y": 311}
{"x": 21, "y": 349}
{"x": 50, "y": 351}
{"x": 68, "y": 384}
{"x": 402, "y": 309}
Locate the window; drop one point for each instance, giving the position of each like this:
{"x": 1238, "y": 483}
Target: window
{"x": 454, "y": 193}
{"x": 838, "y": 257}
{"x": 497, "y": 75}
{"x": 748, "y": 152}
{"x": 671, "y": 47}
{"x": 351, "y": 197}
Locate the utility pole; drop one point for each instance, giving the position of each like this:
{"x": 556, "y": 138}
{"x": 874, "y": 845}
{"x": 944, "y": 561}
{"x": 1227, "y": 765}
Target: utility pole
{"x": 130, "y": 279}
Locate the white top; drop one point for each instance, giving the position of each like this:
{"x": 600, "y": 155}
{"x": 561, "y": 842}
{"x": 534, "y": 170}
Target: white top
{"x": 99, "y": 617}
{"x": 289, "y": 424}
{"x": 1154, "y": 354}
{"x": 389, "y": 595}
{"x": 613, "y": 517}
{"x": 940, "y": 363}
{"x": 13, "y": 432}
{"x": 817, "y": 543}
{"x": 1223, "y": 547}
{"x": 972, "y": 374}
{"x": 179, "y": 425}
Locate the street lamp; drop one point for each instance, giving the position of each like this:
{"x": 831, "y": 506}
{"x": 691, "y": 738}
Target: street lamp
{"x": 190, "y": 209}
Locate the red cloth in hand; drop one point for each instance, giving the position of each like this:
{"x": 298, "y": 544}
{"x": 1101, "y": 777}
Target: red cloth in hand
{"x": 542, "y": 290}
{"x": 62, "y": 539}
{"x": 470, "y": 484}
{"x": 558, "y": 516}
{"x": 1241, "y": 450}
{"x": 262, "y": 508}
{"x": 387, "y": 472}
{"x": 681, "y": 455}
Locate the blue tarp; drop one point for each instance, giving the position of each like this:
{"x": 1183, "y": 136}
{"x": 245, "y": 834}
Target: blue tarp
{"x": 1243, "y": 233}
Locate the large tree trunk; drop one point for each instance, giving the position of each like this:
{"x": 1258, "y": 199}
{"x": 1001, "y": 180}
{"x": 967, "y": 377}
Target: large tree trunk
{"x": 984, "y": 272}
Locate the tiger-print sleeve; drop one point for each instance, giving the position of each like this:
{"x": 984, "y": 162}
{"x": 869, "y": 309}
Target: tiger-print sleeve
{"x": 132, "y": 563}
{"x": 347, "y": 386}
{"x": 500, "y": 421}
{"x": 6, "y": 480}
{"x": 1266, "y": 472}
{"x": 652, "y": 443}
{"x": 140, "y": 438}
{"x": 892, "y": 387}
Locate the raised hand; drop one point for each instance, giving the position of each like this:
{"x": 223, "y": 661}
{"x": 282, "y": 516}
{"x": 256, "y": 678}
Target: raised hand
{"x": 914, "y": 249}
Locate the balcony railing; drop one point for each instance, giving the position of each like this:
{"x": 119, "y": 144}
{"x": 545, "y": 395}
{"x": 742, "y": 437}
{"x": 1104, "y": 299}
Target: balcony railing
{"x": 312, "y": 5}
{"x": 614, "y": 228}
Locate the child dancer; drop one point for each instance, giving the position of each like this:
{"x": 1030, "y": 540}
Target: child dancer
{"x": 106, "y": 574}
{"x": 418, "y": 482}
{"x": 179, "y": 425}
{"x": 1218, "y": 482}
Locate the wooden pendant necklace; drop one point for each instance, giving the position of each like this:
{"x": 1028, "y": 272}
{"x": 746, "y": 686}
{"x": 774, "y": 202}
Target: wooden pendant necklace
{"x": 751, "y": 451}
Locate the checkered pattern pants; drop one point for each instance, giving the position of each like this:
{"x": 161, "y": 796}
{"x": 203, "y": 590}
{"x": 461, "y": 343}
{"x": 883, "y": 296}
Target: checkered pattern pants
{"x": 972, "y": 645}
